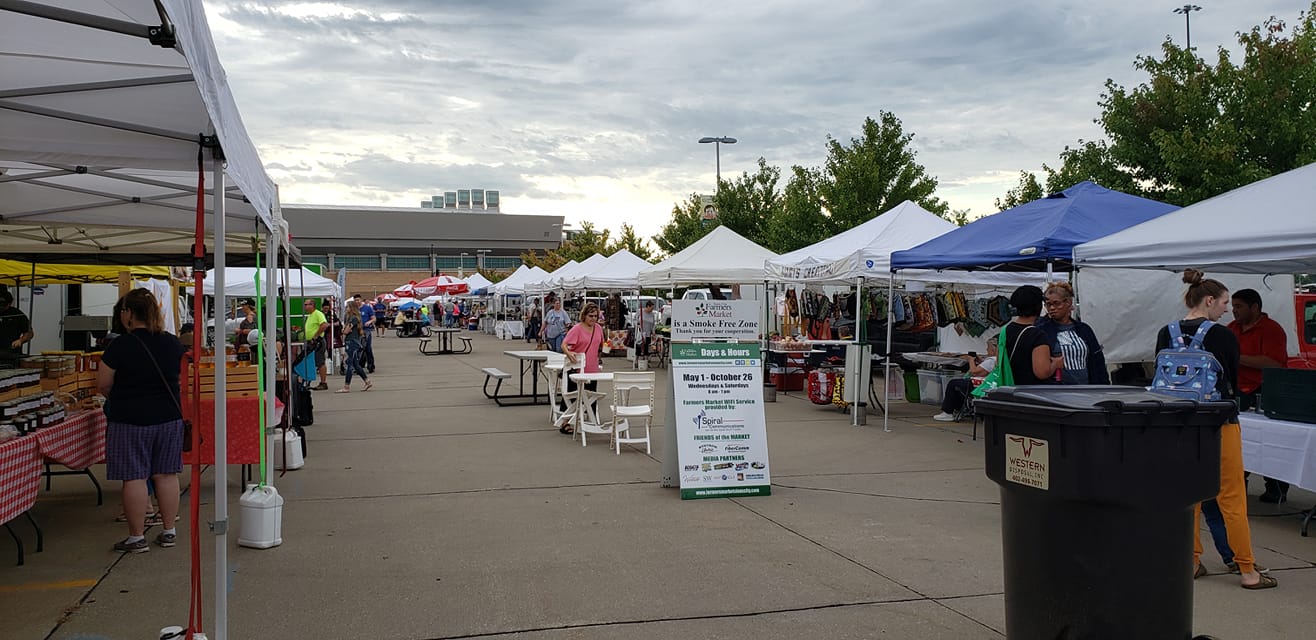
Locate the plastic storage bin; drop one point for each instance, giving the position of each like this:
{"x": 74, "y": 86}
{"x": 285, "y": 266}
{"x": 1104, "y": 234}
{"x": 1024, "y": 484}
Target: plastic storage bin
{"x": 932, "y": 384}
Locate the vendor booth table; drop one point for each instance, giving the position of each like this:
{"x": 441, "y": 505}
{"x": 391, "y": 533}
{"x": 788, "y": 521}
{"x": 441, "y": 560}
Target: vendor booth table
{"x": 1282, "y": 450}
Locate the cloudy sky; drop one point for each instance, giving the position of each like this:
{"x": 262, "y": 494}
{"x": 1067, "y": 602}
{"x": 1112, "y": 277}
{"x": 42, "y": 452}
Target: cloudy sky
{"x": 593, "y": 109}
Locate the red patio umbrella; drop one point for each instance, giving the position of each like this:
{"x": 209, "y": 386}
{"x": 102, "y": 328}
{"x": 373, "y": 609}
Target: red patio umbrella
{"x": 440, "y": 284}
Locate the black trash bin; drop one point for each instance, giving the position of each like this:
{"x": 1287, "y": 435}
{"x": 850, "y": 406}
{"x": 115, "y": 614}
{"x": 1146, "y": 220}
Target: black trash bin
{"x": 1098, "y": 485}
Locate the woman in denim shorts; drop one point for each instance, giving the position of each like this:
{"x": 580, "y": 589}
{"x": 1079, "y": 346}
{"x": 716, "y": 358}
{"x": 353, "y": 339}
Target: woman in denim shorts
{"x": 144, "y": 433}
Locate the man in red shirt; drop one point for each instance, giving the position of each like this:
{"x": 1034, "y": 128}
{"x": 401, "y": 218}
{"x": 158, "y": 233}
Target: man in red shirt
{"x": 1263, "y": 345}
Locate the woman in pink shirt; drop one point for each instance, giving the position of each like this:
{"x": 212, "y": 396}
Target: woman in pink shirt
{"x": 584, "y": 341}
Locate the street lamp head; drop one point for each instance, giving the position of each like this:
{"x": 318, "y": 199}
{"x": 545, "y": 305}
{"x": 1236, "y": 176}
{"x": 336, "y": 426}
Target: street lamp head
{"x": 1187, "y": 8}
{"x": 722, "y": 140}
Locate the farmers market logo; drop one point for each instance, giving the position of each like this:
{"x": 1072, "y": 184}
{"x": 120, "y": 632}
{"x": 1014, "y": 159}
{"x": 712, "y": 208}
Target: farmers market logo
{"x": 713, "y": 309}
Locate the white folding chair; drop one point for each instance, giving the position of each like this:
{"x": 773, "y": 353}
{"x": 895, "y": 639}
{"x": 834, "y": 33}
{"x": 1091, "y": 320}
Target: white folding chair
{"x": 556, "y": 371}
{"x": 629, "y": 404}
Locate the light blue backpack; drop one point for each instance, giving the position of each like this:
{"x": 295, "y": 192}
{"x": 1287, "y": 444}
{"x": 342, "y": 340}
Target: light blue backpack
{"x": 1186, "y": 370}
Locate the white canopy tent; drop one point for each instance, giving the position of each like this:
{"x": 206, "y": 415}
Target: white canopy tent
{"x": 620, "y": 270}
{"x": 721, "y": 256}
{"x": 497, "y": 288}
{"x": 96, "y": 100}
{"x": 1266, "y": 227}
{"x": 560, "y": 276}
{"x": 541, "y": 286}
{"x": 1240, "y": 238}
{"x": 241, "y": 282}
{"x": 514, "y": 285}
{"x": 865, "y": 252}
{"x": 476, "y": 281}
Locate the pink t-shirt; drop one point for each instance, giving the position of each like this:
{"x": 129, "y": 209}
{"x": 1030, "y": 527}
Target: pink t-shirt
{"x": 580, "y": 340}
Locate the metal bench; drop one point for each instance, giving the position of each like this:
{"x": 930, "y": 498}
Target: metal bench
{"x": 424, "y": 342}
{"x": 494, "y": 373}
{"x": 466, "y": 345}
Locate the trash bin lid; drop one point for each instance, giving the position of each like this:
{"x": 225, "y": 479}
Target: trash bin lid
{"x": 1066, "y": 400}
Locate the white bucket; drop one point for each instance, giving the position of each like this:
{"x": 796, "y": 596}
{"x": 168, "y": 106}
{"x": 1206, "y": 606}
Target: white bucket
{"x": 293, "y": 443}
{"x": 261, "y": 524}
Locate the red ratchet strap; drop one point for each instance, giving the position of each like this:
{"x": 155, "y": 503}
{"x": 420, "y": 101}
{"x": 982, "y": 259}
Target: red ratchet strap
{"x": 195, "y": 607}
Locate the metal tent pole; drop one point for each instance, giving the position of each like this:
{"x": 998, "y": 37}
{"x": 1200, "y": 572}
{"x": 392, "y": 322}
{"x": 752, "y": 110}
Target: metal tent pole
{"x": 886, "y": 359}
{"x": 220, "y": 525}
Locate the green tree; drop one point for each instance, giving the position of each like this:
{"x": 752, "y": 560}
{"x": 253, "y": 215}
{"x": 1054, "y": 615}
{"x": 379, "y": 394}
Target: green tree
{"x": 747, "y": 204}
{"x": 800, "y": 221}
{"x": 1026, "y": 191}
{"x": 1090, "y": 160}
{"x": 1194, "y": 130}
{"x": 629, "y": 241}
{"x": 685, "y": 228}
{"x": 876, "y": 172}
{"x": 959, "y": 217}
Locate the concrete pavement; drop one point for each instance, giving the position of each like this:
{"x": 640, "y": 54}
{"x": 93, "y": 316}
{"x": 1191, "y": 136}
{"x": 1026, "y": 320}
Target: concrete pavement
{"x": 425, "y": 512}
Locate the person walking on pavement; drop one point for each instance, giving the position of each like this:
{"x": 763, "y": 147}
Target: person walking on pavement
{"x": 368, "y": 323}
{"x": 1207, "y": 300}
{"x": 381, "y": 313}
{"x": 555, "y": 324}
{"x": 316, "y": 327}
{"x": 354, "y": 337}
{"x": 1262, "y": 344}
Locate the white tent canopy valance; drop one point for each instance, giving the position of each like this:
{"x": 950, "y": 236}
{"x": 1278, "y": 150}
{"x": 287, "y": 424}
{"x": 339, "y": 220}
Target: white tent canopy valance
{"x": 240, "y": 282}
{"x": 722, "y": 256}
{"x": 1265, "y": 227}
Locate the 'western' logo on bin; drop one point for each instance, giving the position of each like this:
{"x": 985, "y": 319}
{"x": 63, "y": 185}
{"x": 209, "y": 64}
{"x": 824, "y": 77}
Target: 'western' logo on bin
{"x": 1028, "y": 461}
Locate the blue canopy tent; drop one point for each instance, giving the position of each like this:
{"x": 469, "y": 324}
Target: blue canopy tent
{"x": 1035, "y": 235}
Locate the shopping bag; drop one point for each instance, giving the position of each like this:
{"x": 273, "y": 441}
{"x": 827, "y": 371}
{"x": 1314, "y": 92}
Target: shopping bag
{"x": 1001, "y": 376}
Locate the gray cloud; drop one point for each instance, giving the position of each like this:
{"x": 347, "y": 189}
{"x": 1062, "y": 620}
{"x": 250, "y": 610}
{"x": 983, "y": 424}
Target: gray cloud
{"x": 398, "y": 96}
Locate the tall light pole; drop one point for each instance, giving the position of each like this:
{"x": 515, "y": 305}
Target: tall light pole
{"x": 461, "y": 265}
{"x": 1186, "y": 10}
{"x": 718, "y": 142}
{"x": 479, "y": 258}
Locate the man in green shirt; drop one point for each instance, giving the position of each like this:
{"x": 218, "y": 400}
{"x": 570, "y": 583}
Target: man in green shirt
{"x": 316, "y": 326}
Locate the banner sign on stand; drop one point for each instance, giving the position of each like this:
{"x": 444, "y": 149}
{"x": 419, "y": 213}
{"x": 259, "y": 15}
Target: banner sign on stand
{"x": 716, "y": 320}
{"x": 720, "y": 427}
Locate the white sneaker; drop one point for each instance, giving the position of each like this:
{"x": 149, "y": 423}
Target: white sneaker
{"x": 944, "y": 417}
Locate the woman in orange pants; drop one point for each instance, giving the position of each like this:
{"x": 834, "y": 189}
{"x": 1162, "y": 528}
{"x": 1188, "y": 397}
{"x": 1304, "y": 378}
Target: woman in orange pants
{"x": 1208, "y": 300}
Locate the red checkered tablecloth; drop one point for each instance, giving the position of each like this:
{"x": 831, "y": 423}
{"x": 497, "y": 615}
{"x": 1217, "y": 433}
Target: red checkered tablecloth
{"x": 77, "y": 443}
{"x": 20, "y": 476}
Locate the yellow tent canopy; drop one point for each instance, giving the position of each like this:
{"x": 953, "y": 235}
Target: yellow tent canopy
{"x": 21, "y": 273}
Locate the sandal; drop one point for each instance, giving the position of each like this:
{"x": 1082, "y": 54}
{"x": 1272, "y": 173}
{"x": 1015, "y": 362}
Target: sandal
{"x": 154, "y": 519}
{"x": 344, "y": 390}
{"x": 1266, "y": 582}
{"x": 1201, "y": 571}
{"x": 369, "y": 384}
{"x": 567, "y": 430}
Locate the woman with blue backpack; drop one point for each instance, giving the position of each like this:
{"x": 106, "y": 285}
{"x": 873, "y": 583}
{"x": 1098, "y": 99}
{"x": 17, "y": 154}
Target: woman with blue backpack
{"x": 1196, "y": 339}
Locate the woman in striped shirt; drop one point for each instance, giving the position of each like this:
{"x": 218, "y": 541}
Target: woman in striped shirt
{"x": 1072, "y": 339}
